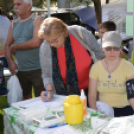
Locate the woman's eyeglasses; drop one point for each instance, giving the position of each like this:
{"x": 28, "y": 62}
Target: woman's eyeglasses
{"x": 55, "y": 40}
{"x": 114, "y": 48}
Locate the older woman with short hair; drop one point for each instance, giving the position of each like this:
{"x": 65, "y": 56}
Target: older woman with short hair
{"x": 65, "y": 58}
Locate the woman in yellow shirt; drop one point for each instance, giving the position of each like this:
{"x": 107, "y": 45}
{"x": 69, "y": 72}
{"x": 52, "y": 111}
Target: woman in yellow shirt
{"x": 109, "y": 77}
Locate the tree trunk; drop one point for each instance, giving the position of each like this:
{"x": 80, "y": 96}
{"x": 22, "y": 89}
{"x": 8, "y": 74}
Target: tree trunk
{"x": 107, "y": 1}
{"x": 98, "y": 11}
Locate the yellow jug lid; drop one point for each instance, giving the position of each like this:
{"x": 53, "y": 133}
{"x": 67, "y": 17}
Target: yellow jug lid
{"x": 73, "y": 99}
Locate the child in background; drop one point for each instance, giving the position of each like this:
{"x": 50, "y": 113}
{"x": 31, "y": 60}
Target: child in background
{"x": 111, "y": 26}
{"x": 105, "y": 27}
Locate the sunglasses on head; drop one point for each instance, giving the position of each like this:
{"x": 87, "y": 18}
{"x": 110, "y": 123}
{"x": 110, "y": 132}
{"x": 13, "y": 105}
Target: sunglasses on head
{"x": 114, "y": 48}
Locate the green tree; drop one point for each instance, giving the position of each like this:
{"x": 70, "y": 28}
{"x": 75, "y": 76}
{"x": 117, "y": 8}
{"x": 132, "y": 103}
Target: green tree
{"x": 7, "y": 5}
{"x": 38, "y": 3}
{"x": 79, "y": 2}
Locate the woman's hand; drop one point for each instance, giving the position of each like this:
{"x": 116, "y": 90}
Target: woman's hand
{"x": 46, "y": 95}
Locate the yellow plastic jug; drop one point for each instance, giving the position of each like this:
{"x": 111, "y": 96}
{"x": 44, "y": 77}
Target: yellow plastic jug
{"x": 73, "y": 109}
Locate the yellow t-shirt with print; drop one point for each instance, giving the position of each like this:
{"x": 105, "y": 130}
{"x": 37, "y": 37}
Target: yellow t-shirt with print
{"x": 112, "y": 90}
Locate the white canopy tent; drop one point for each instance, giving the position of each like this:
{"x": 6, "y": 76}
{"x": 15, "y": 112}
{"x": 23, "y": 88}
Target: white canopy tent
{"x": 36, "y": 9}
{"x": 48, "y": 7}
{"x": 116, "y": 12}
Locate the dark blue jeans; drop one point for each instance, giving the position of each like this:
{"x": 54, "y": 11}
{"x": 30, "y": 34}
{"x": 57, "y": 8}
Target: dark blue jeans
{"x": 125, "y": 111}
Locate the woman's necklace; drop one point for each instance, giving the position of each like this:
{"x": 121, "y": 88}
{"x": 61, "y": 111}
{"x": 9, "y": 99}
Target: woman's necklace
{"x": 109, "y": 76}
{"x": 25, "y": 19}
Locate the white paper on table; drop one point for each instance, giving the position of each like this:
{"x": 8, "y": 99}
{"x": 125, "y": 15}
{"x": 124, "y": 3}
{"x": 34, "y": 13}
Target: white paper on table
{"x": 66, "y": 130}
{"x": 58, "y": 130}
{"x": 44, "y": 130}
{"x": 55, "y": 102}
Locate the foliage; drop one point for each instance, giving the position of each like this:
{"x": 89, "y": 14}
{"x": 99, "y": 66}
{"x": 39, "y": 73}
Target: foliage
{"x": 3, "y": 104}
{"x": 79, "y": 2}
{"x": 52, "y": 3}
{"x": 38, "y": 3}
{"x": 95, "y": 0}
{"x": 7, "y": 5}
{"x": 2, "y": 3}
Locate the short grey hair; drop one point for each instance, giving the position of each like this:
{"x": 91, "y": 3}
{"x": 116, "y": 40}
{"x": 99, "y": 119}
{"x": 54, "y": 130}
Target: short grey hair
{"x": 28, "y": 1}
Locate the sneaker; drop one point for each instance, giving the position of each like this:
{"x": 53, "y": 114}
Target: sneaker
{"x": 3, "y": 91}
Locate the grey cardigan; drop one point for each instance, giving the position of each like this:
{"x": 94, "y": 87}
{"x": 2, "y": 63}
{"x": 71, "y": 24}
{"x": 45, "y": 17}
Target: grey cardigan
{"x": 45, "y": 52}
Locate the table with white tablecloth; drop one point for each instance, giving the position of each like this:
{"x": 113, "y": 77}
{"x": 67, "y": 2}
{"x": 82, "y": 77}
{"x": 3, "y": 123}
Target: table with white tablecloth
{"x": 14, "y": 125}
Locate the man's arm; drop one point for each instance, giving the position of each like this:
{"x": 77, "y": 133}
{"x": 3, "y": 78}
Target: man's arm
{"x": 8, "y": 55}
{"x": 34, "y": 42}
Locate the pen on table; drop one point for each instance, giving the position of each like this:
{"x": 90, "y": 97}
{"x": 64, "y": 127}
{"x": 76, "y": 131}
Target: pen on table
{"x": 58, "y": 125}
{"x": 22, "y": 107}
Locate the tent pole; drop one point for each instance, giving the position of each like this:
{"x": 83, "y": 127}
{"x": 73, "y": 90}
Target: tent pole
{"x": 48, "y": 8}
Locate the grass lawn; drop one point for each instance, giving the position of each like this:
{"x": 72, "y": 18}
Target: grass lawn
{"x": 3, "y": 104}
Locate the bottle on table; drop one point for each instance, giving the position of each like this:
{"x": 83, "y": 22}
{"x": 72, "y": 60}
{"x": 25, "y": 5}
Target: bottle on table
{"x": 83, "y": 97}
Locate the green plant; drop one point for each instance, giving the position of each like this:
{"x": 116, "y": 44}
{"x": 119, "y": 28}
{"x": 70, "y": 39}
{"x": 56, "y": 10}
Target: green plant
{"x": 3, "y": 104}
{"x": 79, "y": 2}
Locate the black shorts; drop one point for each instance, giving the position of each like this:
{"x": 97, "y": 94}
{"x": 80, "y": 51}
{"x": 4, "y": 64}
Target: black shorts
{"x": 29, "y": 79}
{"x": 125, "y": 111}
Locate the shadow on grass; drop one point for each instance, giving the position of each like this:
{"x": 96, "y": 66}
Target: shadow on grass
{"x": 3, "y": 104}
{"x": 1, "y": 123}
